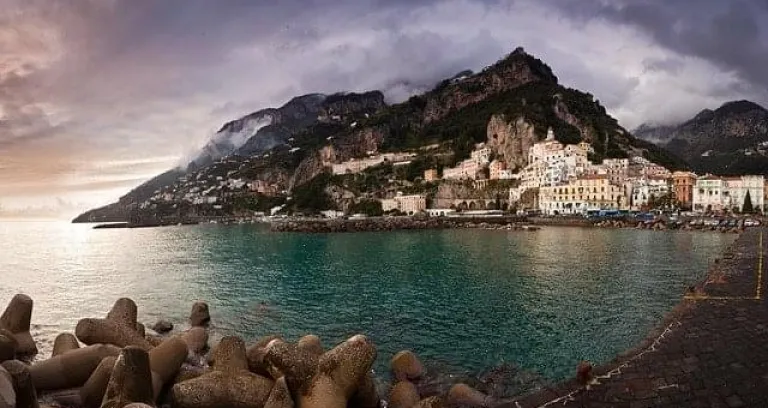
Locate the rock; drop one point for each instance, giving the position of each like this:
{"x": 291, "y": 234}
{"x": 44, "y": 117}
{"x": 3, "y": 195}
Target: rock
{"x": 199, "y": 315}
{"x": 141, "y": 329}
{"x": 280, "y": 396}
{"x": 26, "y": 395}
{"x": 64, "y": 398}
{"x": 92, "y": 392}
{"x": 366, "y": 395}
{"x": 431, "y": 402}
{"x": 138, "y": 405}
{"x": 255, "y": 355}
{"x": 229, "y": 384}
{"x": 71, "y": 369}
{"x": 405, "y": 365}
{"x": 7, "y": 393}
{"x": 584, "y": 372}
{"x": 196, "y": 339}
{"x": 463, "y": 395}
{"x": 16, "y": 319}
{"x": 130, "y": 381}
{"x": 162, "y": 326}
{"x": 403, "y": 395}
{"x": 64, "y": 342}
{"x": 118, "y": 328}
{"x": 329, "y": 380}
{"x": 8, "y": 345}
{"x": 165, "y": 361}
{"x": 311, "y": 344}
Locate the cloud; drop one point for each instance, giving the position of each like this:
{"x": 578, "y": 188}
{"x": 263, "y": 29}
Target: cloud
{"x": 85, "y": 83}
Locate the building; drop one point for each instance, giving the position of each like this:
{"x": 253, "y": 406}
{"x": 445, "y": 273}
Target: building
{"x": 482, "y": 154}
{"x": 551, "y": 163}
{"x": 465, "y": 170}
{"x": 495, "y": 169}
{"x": 736, "y": 191}
{"x": 592, "y": 192}
{"x": 683, "y": 183}
{"x": 616, "y": 169}
{"x": 714, "y": 194}
{"x": 408, "y": 204}
{"x": 707, "y": 195}
{"x": 430, "y": 175}
{"x": 644, "y": 190}
{"x": 440, "y": 212}
{"x": 353, "y": 166}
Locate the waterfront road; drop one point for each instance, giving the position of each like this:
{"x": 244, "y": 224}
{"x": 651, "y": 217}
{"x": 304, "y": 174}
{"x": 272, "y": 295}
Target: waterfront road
{"x": 711, "y": 351}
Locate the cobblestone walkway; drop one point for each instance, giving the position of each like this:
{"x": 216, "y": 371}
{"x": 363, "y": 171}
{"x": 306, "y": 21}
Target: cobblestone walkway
{"x": 712, "y": 351}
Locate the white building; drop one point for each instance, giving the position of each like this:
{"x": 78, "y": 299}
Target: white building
{"x": 551, "y": 163}
{"x": 713, "y": 193}
{"x": 708, "y": 193}
{"x": 736, "y": 189}
{"x": 408, "y": 204}
{"x": 643, "y": 190}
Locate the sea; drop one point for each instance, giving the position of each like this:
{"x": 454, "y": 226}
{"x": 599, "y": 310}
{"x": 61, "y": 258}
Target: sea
{"x": 467, "y": 302}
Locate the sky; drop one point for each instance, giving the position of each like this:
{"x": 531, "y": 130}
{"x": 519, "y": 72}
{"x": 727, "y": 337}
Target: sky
{"x": 97, "y": 96}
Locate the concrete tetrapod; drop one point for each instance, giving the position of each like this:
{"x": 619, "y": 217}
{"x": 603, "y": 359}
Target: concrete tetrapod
{"x": 92, "y": 392}
{"x": 199, "y": 316}
{"x": 131, "y": 380}
{"x": 196, "y": 339}
{"x": 165, "y": 361}
{"x": 8, "y": 345}
{"x": 329, "y": 380}
{"x": 463, "y": 395}
{"x": 118, "y": 328}
{"x": 403, "y": 395}
{"x": 405, "y": 365}
{"x": 229, "y": 384}
{"x": 26, "y": 395}
{"x": 71, "y": 369}
{"x": 16, "y": 319}
{"x": 64, "y": 342}
{"x": 280, "y": 397}
{"x": 7, "y": 393}
{"x": 255, "y": 355}
{"x": 312, "y": 344}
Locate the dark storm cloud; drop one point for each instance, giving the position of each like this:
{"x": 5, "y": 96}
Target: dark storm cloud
{"x": 731, "y": 34}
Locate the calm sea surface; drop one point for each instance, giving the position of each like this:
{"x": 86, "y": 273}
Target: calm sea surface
{"x": 466, "y": 300}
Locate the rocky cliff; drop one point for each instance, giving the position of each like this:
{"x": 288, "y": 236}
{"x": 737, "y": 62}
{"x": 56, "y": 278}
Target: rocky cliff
{"x": 732, "y": 139}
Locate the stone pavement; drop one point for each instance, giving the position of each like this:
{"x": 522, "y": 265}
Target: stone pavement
{"x": 711, "y": 350}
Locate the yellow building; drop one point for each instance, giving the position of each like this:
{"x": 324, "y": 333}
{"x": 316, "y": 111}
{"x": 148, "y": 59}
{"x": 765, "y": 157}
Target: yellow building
{"x": 592, "y": 192}
{"x": 430, "y": 175}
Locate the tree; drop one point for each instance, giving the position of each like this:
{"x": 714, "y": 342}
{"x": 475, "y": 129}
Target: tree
{"x": 747, "y": 207}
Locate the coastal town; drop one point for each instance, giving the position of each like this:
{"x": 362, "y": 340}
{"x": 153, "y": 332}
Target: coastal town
{"x": 558, "y": 180}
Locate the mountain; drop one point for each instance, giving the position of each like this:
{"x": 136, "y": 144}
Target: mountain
{"x": 730, "y": 140}
{"x": 260, "y": 131}
{"x": 510, "y": 105}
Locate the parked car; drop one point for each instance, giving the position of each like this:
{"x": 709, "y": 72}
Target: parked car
{"x": 751, "y": 223}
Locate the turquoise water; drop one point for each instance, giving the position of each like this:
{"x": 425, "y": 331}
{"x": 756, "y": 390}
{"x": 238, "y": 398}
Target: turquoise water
{"x": 464, "y": 300}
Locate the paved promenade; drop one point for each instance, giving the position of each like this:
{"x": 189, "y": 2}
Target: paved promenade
{"x": 711, "y": 351}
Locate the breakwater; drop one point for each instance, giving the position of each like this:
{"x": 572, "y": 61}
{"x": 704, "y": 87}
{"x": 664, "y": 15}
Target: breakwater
{"x": 115, "y": 361}
{"x": 396, "y": 223}
{"x": 706, "y": 352}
